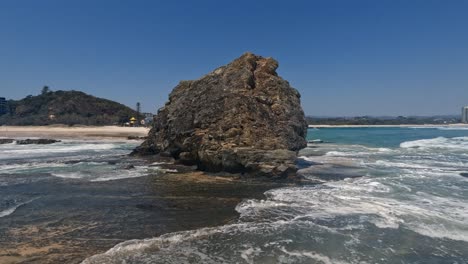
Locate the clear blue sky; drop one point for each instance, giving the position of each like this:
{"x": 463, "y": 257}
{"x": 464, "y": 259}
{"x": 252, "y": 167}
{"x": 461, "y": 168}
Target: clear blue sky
{"x": 376, "y": 57}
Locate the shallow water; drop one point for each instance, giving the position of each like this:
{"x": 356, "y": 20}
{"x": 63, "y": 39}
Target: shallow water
{"x": 409, "y": 205}
{"x": 64, "y": 202}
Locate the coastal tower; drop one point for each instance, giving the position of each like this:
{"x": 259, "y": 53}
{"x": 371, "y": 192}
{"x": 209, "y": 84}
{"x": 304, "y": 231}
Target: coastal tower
{"x": 465, "y": 115}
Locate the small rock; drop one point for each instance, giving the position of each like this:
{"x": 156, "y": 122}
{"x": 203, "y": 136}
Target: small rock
{"x": 41, "y": 141}
{"x": 6, "y": 140}
{"x": 136, "y": 138}
{"x": 128, "y": 167}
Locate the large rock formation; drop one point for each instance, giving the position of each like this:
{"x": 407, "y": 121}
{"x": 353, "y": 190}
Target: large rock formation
{"x": 241, "y": 117}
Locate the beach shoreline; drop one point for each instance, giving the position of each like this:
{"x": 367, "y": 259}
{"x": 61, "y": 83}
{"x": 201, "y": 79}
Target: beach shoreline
{"x": 74, "y": 132}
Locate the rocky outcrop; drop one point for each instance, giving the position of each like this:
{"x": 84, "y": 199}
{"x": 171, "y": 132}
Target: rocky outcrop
{"x": 6, "y": 140}
{"x": 41, "y": 141}
{"x": 136, "y": 138}
{"x": 241, "y": 117}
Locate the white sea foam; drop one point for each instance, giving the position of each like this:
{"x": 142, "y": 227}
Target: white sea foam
{"x": 65, "y": 148}
{"x": 139, "y": 172}
{"x": 393, "y": 164}
{"x": 62, "y": 148}
{"x": 105, "y": 173}
{"x": 170, "y": 244}
{"x": 423, "y": 213}
{"x": 224, "y": 244}
{"x": 441, "y": 127}
{"x": 9, "y": 211}
{"x": 415, "y": 189}
{"x": 453, "y": 128}
{"x": 311, "y": 255}
{"x": 25, "y": 167}
{"x": 91, "y": 171}
{"x": 249, "y": 254}
{"x": 356, "y": 151}
{"x": 266, "y": 224}
{"x": 456, "y": 143}
{"x": 339, "y": 154}
{"x": 12, "y": 209}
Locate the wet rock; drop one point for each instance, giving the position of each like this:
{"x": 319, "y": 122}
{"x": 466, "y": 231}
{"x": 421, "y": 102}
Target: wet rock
{"x": 464, "y": 174}
{"x": 240, "y": 118}
{"x": 136, "y": 138}
{"x": 128, "y": 167}
{"x": 41, "y": 141}
{"x": 148, "y": 207}
{"x": 6, "y": 140}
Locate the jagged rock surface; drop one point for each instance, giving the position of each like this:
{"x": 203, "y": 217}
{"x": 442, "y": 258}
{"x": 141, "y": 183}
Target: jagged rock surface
{"x": 241, "y": 117}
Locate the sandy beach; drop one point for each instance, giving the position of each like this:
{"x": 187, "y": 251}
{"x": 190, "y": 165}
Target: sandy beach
{"x": 72, "y": 132}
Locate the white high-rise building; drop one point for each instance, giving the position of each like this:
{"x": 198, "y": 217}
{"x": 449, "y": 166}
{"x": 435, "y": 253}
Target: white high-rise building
{"x": 465, "y": 114}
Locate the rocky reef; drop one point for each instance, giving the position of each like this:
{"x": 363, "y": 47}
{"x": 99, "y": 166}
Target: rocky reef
{"x": 6, "y": 140}
{"x": 240, "y": 118}
{"x": 40, "y": 141}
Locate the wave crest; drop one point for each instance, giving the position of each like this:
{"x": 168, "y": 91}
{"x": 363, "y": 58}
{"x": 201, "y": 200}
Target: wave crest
{"x": 456, "y": 143}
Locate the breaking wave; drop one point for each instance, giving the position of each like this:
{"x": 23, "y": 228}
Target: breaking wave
{"x": 12, "y": 209}
{"x": 409, "y": 193}
{"x": 456, "y": 143}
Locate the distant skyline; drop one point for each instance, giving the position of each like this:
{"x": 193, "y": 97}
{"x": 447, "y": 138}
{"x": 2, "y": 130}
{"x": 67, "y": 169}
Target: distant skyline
{"x": 346, "y": 58}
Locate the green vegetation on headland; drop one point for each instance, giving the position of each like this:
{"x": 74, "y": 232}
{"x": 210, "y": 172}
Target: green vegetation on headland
{"x": 368, "y": 120}
{"x": 65, "y": 107}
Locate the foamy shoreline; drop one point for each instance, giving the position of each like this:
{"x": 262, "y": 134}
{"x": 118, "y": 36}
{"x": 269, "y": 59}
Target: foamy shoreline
{"x": 72, "y": 132}
{"x": 422, "y": 126}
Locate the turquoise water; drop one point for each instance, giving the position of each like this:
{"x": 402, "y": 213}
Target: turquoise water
{"x": 382, "y": 137}
{"x": 405, "y": 201}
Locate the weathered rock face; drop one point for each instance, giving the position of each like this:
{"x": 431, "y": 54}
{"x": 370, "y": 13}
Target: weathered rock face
{"x": 241, "y": 117}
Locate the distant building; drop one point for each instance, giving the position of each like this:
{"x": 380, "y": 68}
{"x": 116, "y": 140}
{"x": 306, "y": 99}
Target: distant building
{"x": 3, "y": 106}
{"x": 465, "y": 115}
{"x": 147, "y": 115}
{"x": 148, "y": 118}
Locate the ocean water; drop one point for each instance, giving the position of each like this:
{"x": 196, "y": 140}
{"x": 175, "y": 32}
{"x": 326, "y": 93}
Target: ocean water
{"x": 69, "y": 160}
{"x": 405, "y": 201}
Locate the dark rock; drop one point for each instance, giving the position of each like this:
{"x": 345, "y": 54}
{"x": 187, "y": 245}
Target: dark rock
{"x": 148, "y": 207}
{"x": 6, "y": 140}
{"x": 128, "y": 167}
{"x": 464, "y": 174}
{"x": 41, "y": 141}
{"x": 136, "y": 138}
{"x": 240, "y": 118}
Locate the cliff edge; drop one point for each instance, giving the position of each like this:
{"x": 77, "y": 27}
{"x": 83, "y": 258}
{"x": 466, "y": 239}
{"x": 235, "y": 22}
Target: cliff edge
{"x": 240, "y": 118}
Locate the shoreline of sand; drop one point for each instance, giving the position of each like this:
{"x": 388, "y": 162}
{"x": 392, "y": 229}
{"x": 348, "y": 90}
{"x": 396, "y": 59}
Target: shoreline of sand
{"x": 458, "y": 125}
{"x": 66, "y": 132}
